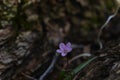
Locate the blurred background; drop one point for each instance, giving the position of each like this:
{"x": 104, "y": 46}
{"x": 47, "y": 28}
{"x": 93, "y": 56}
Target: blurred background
{"x": 46, "y": 23}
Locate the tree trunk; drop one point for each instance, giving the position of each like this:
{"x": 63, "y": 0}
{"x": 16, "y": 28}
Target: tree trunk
{"x": 21, "y": 56}
{"x": 106, "y": 66}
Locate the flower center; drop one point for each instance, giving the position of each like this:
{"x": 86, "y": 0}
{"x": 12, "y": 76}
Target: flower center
{"x": 65, "y": 51}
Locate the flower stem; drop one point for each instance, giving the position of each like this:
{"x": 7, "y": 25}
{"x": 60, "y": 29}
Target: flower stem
{"x": 104, "y": 25}
{"x": 49, "y": 68}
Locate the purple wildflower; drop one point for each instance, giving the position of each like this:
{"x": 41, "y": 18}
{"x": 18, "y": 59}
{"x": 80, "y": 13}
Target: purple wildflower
{"x": 64, "y": 49}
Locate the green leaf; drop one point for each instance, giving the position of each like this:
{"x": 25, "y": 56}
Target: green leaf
{"x": 81, "y": 66}
{"x": 61, "y": 75}
{"x": 77, "y": 69}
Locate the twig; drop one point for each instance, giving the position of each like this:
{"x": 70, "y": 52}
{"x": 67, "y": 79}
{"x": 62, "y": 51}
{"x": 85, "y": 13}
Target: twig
{"x": 76, "y": 76}
{"x": 104, "y": 25}
{"x": 49, "y": 68}
{"x": 29, "y": 76}
{"x": 76, "y": 57}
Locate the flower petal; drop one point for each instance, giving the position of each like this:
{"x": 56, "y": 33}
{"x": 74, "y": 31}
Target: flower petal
{"x": 63, "y": 54}
{"x": 68, "y": 44}
{"x": 62, "y": 46}
{"x": 58, "y": 51}
{"x": 69, "y": 49}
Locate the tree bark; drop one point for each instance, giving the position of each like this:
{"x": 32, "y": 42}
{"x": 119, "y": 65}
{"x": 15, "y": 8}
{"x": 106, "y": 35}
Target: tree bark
{"x": 106, "y": 66}
{"x": 22, "y": 56}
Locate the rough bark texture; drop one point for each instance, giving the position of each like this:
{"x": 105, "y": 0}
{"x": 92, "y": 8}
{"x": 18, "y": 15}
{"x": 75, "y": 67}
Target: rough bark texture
{"x": 27, "y": 46}
{"x": 20, "y": 56}
{"x": 106, "y": 66}
{"x": 15, "y": 52}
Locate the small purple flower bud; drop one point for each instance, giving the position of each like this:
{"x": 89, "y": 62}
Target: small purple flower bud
{"x": 64, "y": 49}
